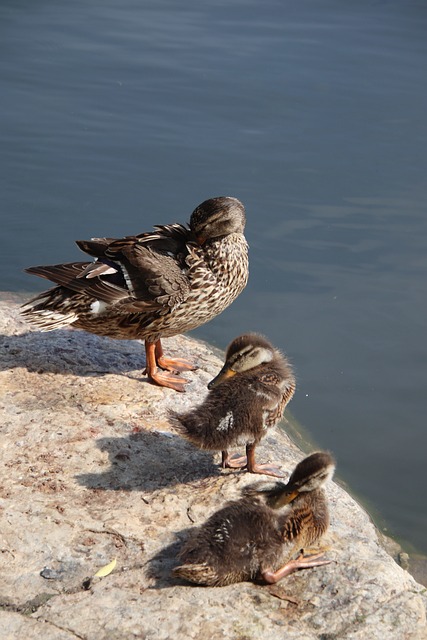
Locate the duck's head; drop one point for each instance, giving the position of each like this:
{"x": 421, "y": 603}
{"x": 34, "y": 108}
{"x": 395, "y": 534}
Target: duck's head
{"x": 309, "y": 475}
{"x": 217, "y": 217}
{"x": 244, "y": 353}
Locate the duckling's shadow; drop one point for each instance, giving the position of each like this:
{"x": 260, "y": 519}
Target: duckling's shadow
{"x": 148, "y": 461}
{"x": 159, "y": 568}
{"x": 66, "y": 351}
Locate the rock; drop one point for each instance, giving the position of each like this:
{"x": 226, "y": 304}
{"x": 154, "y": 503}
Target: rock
{"x": 91, "y": 471}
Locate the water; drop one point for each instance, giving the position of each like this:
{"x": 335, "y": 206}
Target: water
{"x": 120, "y": 115}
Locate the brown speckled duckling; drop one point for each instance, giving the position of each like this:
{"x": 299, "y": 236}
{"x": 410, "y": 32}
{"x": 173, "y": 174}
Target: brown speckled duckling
{"x": 248, "y": 395}
{"x": 255, "y": 538}
{"x": 150, "y": 286}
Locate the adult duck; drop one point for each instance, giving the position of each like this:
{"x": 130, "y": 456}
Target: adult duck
{"x": 153, "y": 285}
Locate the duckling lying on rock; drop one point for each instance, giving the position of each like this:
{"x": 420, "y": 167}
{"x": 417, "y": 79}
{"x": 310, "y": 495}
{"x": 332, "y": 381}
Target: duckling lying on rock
{"x": 248, "y": 395}
{"x": 254, "y": 538}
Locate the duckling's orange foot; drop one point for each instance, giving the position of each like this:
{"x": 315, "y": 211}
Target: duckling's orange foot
{"x": 266, "y": 469}
{"x": 166, "y": 379}
{"x": 247, "y": 462}
{"x": 233, "y": 462}
{"x": 175, "y": 364}
{"x": 302, "y": 562}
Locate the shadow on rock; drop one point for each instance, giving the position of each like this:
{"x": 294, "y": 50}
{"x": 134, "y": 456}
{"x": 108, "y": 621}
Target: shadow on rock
{"x": 66, "y": 351}
{"x": 148, "y": 461}
{"x": 160, "y": 566}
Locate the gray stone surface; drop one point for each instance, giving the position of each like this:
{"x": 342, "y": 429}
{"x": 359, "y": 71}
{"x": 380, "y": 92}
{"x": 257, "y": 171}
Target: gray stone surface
{"x": 91, "y": 471}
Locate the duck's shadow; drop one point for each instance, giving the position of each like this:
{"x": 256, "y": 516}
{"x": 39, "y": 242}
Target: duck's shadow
{"x": 148, "y": 461}
{"x": 66, "y": 351}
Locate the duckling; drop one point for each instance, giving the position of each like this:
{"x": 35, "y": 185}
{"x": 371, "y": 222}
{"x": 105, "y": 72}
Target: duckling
{"x": 152, "y": 285}
{"x": 256, "y": 537}
{"x": 247, "y": 397}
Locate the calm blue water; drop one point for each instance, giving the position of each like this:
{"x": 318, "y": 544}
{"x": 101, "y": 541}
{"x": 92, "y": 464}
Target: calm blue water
{"x": 119, "y": 115}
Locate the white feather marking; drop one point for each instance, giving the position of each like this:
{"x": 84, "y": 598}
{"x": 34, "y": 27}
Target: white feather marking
{"x": 127, "y": 278}
{"x": 262, "y": 394}
{"x": 222, "y": 533}
{"x": 100, "y": 271}
{"x": 226, "y": 423}
{"x": 265, "y": 416}
{"x": 265, "y": 355}
{"x": 98, "y": 306}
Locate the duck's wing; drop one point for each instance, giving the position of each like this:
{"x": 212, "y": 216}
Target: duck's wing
{"x": 139, "y": 273}
{"x": 69, "y": 275}
{"x": 154, "y": 268}
{"x": 155, "y": 280}
{"x": 168, "y": 238}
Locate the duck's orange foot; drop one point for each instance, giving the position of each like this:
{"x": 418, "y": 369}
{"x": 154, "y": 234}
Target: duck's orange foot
{"x": 156, "y": 359}
{"x": 166, "y": 379}
{"x": 175, "y": 364}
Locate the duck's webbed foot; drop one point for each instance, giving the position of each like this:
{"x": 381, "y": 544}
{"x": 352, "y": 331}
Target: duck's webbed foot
{"x": 167, "y": 379}
{"x": 302, "y": 562}
{"x": 172, "y": 364}
{"x": 156, "y": 375}
{"x": 176, "y": 364}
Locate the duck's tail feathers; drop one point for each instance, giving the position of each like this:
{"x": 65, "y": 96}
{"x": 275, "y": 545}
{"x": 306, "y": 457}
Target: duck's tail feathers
{"x": 49, "y": 311}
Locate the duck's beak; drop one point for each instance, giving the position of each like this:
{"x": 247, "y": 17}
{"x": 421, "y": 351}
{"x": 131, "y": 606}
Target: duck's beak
{"x": 226, "y": 372}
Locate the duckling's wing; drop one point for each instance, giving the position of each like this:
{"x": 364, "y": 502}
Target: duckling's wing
{"x": 200, "y": 573}
{"x": 263, "y": 488}
{"x": 276, "y": 391}
{"x": 299, "y": 525}
{"x": 241, "y": 410}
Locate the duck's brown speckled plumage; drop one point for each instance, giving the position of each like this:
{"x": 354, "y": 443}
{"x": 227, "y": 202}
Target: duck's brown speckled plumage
{"x": 152, "y": 285}
{"x": 255, "y": 538}
{"x": 247, "y": 397}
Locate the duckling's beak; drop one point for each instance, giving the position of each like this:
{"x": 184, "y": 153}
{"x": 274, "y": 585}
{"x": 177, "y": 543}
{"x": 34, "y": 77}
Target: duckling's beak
{"x": 226, "y": 372}
{"x": 290, "y": 497}
{"x": 285, "y": 498}
{"x": 201, "y": 239}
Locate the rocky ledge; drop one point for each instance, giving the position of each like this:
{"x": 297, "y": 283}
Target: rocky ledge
{"x": 92, "y": 472}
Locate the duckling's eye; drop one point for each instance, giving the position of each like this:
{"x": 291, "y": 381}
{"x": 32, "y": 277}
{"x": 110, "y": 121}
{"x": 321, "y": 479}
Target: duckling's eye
{"x": 238, "y": 356}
